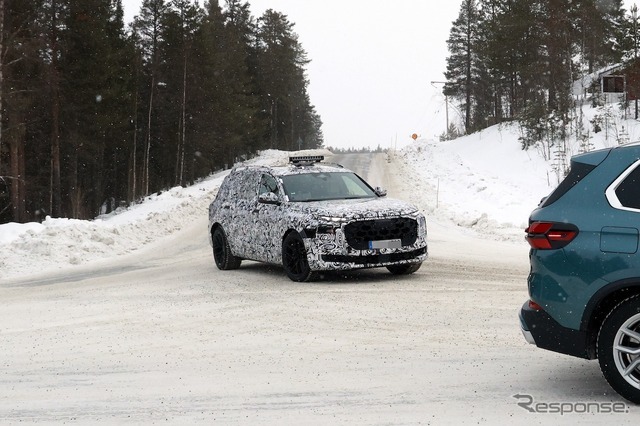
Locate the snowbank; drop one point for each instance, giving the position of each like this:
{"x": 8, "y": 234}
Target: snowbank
{"x": 58, "y": 243}
{"x": 483, "y": 181}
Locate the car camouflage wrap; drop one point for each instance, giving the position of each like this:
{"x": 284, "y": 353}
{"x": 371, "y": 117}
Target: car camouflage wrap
{"x": 254, "y": 209}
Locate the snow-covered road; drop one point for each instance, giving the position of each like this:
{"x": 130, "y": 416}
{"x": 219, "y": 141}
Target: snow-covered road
{"x": 162, "y": 336}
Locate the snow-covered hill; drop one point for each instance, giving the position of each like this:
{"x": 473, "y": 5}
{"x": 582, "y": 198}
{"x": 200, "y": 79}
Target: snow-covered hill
{"x": 484, "y": 182}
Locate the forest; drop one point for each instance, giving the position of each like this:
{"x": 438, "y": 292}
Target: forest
{"x": 96, "y": 113}
{"x": 516, "y": 60}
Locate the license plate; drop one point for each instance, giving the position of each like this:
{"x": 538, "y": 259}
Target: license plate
{"x": 396, "y": 243}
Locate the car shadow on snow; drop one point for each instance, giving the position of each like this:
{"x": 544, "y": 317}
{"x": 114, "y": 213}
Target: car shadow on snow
{"x": 355, "y": 276}
{"x": 570, "y": 380}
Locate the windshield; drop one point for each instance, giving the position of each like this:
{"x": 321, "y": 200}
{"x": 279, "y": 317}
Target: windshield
{"x": 325, "y": 186}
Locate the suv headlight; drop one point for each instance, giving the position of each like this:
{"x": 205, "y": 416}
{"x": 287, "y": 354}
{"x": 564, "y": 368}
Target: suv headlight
{"x": 422, "y": 221}
{"x": 331, "y": 220}
{"x": 329, "y": 224}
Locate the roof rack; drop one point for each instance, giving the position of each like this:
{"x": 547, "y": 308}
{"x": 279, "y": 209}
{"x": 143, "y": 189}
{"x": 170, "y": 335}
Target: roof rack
{"x": 306, "y": 160}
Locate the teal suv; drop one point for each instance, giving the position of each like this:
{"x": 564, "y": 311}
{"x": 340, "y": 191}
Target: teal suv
{"x": 584, "y": 283}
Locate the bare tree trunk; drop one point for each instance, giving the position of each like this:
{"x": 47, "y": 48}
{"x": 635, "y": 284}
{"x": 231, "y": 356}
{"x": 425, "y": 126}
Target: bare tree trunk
{"x": 179, "y": 178}
{"x": 16, "y": 154}
{"x": 56, "y": 188}
{"x": 2, "y": 52}
{"x": 134, "y": 153}
{"x": 75, "y": 194}
{"x": 145, "y": 171}
{"x": 134, "y": 168}
{"x": 17, "y": 182}
{"x": 181, "y": 144}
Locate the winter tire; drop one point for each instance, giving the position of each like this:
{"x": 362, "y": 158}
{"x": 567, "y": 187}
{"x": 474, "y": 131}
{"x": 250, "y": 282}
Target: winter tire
{"x": 222, "y": 253}
{"x": 404, "y": 269}
{"x": 294, "y": 258}
{"x": 619, "y": 349}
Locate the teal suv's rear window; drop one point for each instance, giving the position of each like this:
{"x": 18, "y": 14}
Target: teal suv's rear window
{"x": 628, "y": 192}
{"x": 576, "y": 174}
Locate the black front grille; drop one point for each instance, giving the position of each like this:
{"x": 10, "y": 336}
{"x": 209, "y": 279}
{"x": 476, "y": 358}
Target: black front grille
{"x": 359, "y": 233}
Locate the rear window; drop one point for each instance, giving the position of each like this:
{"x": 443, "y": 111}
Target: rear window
{"x": 628, "y": 192}
{"x": 576, "y": 174}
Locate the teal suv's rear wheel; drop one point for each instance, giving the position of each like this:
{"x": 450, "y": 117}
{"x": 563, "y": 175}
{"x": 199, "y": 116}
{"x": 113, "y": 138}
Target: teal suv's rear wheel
{"x": 619, "y": 349}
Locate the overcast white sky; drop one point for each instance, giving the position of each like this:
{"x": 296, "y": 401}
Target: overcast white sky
{"x": 372, "y": 62}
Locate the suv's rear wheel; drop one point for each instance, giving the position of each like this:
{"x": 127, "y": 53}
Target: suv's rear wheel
{"x": 222, "y": 253}
{"x": 404, "y": 269}
{"x": 619, "y": 349}
{"x": 294, "y": 258}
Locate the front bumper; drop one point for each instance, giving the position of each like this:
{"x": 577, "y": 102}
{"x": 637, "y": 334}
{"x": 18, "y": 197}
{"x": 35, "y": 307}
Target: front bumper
{"x": 540, "y": 329}
{"x": 369, "y": 259}
{"x": 526, "y": 332}
{"x": 329, "y": 250}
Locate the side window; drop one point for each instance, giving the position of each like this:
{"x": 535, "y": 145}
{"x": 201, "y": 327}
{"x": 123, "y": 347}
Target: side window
{"x": 268, "y": 184}
{"x": 628, "y": 192}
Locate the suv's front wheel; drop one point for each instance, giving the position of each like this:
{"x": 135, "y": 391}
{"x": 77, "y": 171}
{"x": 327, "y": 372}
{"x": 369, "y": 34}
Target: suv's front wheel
{"x": 619, "y": 349}
{"x": 294, "y": 258}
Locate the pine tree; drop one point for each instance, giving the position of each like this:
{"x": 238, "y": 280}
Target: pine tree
{"x": 148, "y": 25}
{"x": 189, "y": 19}
{"x": 520, "y": 60}
{"x": 461, "y": 64}
{"x": 117, "y": 101}
{"x": 174, "y": 75}
{"x": 599, "y": 28}
{"x": 511, "y": 38}
{"x": 209, "y": 101}
{"x": 241, "y": 129}
{"x": 19, "y": 27}
{"x": 55, "y": 13}
{"x": 282, "y": 62}
{"x": 93, "y": 99}
{"x": 558, "y": 55}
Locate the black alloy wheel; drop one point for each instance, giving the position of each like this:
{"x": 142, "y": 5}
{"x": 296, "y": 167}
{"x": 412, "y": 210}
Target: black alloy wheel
{"x": 222, "y": 253}
{"x": 619, "y": 349}
{"x": 294, "y": 259}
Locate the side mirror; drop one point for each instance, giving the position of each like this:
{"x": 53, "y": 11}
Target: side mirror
{"x": 380, "y": 192}
{"x": 268, "y": 198}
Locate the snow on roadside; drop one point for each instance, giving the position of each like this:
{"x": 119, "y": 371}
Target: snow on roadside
{"x": 483, "y": 181}
{"x": 58, "y": 243}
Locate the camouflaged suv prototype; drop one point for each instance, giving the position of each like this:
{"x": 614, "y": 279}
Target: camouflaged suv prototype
{"x": 310, "y": 216}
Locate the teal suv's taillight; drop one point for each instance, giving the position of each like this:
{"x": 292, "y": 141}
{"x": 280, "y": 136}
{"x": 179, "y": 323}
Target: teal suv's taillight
{"x": 550, "y": 235}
